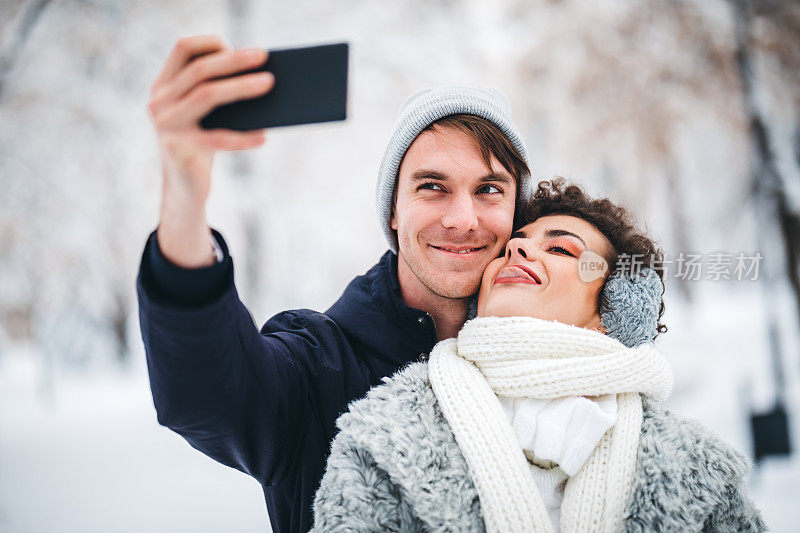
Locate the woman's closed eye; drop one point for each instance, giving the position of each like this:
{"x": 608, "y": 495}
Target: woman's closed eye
{"x": 560, "y": 250}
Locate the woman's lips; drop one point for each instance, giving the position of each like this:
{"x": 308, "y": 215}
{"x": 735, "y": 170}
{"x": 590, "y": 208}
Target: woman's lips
{"x": 518, "y": 274}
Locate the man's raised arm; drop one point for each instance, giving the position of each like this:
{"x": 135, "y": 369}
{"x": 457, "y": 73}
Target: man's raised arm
{"x": 215, "y": 379}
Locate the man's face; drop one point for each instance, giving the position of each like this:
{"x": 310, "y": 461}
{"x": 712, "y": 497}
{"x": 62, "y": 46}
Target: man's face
{"x": 453, "y": 215}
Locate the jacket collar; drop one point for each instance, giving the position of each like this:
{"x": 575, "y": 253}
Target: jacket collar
{"x": 385, "y": 332}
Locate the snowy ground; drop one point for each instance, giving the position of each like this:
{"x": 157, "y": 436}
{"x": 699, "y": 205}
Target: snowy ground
{"x": 90, "y": 456}
{"x": 94, "y": 459}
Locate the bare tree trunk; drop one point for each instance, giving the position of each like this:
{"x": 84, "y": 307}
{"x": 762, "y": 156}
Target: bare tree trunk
{"x": 8, "y": 57}
{"x": 679, "y": 221}
{"x": 119, "y": 324}
{"x": 768, "y": 190}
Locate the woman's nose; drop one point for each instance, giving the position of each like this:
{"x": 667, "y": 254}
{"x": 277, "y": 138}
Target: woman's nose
{"x": 518, "y": 247}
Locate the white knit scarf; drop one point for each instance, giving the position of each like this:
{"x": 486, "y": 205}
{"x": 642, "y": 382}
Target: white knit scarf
{"x": 533, "y": 358}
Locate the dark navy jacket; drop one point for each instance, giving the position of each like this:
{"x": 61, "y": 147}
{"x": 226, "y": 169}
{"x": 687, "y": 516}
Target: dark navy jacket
{"x": 265, "y": 402}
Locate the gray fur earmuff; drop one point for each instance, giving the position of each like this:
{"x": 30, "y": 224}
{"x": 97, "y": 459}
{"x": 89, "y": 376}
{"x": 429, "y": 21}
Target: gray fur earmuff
{"x": 634, "y": 301}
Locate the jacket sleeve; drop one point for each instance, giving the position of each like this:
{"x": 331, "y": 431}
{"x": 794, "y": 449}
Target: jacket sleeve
{"x": 237, "y": 395}
{"x": 187, "y": 287}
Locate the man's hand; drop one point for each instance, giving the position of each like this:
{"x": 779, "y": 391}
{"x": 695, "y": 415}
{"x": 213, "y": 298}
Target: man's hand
{"x": 184, "y": 92}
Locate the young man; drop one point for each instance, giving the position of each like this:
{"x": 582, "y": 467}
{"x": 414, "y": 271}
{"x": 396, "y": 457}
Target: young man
{"x": 265, "y": 402}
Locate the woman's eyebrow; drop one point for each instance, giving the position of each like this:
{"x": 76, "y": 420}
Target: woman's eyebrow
{"x": 562, "y": 233}
{"x": 519, "y": 235}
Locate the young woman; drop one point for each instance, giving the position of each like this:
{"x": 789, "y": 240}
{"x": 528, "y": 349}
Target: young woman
{"x": 543, "y": 414}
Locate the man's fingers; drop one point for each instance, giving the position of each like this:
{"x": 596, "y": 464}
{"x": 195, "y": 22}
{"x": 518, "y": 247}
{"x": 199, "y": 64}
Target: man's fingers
{"x": 206, "y": 96}
{"x": 185, "y": 50}
{"x": 222, "y": 139}
{"x": 215, "y": 65}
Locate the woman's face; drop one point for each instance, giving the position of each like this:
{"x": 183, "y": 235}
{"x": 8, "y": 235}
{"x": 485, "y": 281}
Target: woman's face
{"x": 539, "y": 274}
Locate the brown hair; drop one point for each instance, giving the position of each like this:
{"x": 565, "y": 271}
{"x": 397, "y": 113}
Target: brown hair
{"x": 490, "y": 139}
{"x": 557, "y": 197}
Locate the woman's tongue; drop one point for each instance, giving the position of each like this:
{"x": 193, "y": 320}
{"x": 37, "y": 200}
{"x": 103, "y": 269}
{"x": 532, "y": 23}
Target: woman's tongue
{"x": 515, "y": 273}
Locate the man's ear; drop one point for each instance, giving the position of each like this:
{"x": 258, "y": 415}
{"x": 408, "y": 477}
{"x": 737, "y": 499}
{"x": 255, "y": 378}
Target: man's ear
{"x": 393, "y": 220}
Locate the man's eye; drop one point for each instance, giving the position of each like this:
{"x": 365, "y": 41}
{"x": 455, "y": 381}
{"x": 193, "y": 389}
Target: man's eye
{"x": 490, "y": 189}
{"x": 561, "y": 250}
{"x": 430, "y": 186}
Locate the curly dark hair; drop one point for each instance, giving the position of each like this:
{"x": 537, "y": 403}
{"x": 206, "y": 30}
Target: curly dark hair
{"x": 557, "y": 197}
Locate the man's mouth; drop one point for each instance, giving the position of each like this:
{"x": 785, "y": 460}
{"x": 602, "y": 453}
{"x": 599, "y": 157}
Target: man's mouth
{"x": 460, "y": 250}
{"x": 518, "y": 274}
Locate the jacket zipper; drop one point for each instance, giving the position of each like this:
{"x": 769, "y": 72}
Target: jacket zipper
{"x": 435, "y": 333}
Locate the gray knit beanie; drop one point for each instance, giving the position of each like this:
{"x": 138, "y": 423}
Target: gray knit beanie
{"x": 421, "y": 110}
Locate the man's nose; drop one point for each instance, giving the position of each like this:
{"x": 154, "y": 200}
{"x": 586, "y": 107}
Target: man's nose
{"x": 461, "y": 214}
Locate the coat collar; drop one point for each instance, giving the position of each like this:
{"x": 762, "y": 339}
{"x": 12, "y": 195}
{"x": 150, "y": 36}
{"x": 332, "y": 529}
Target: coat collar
{"x": 386, "y": 332}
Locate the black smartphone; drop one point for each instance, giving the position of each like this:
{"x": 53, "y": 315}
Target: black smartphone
{"x": 310, "y": 86}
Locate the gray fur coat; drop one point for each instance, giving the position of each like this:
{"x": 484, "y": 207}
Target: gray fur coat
{"x": 395, "y": 466}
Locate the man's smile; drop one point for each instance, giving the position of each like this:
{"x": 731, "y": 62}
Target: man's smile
{"x": 462, "y": 250}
